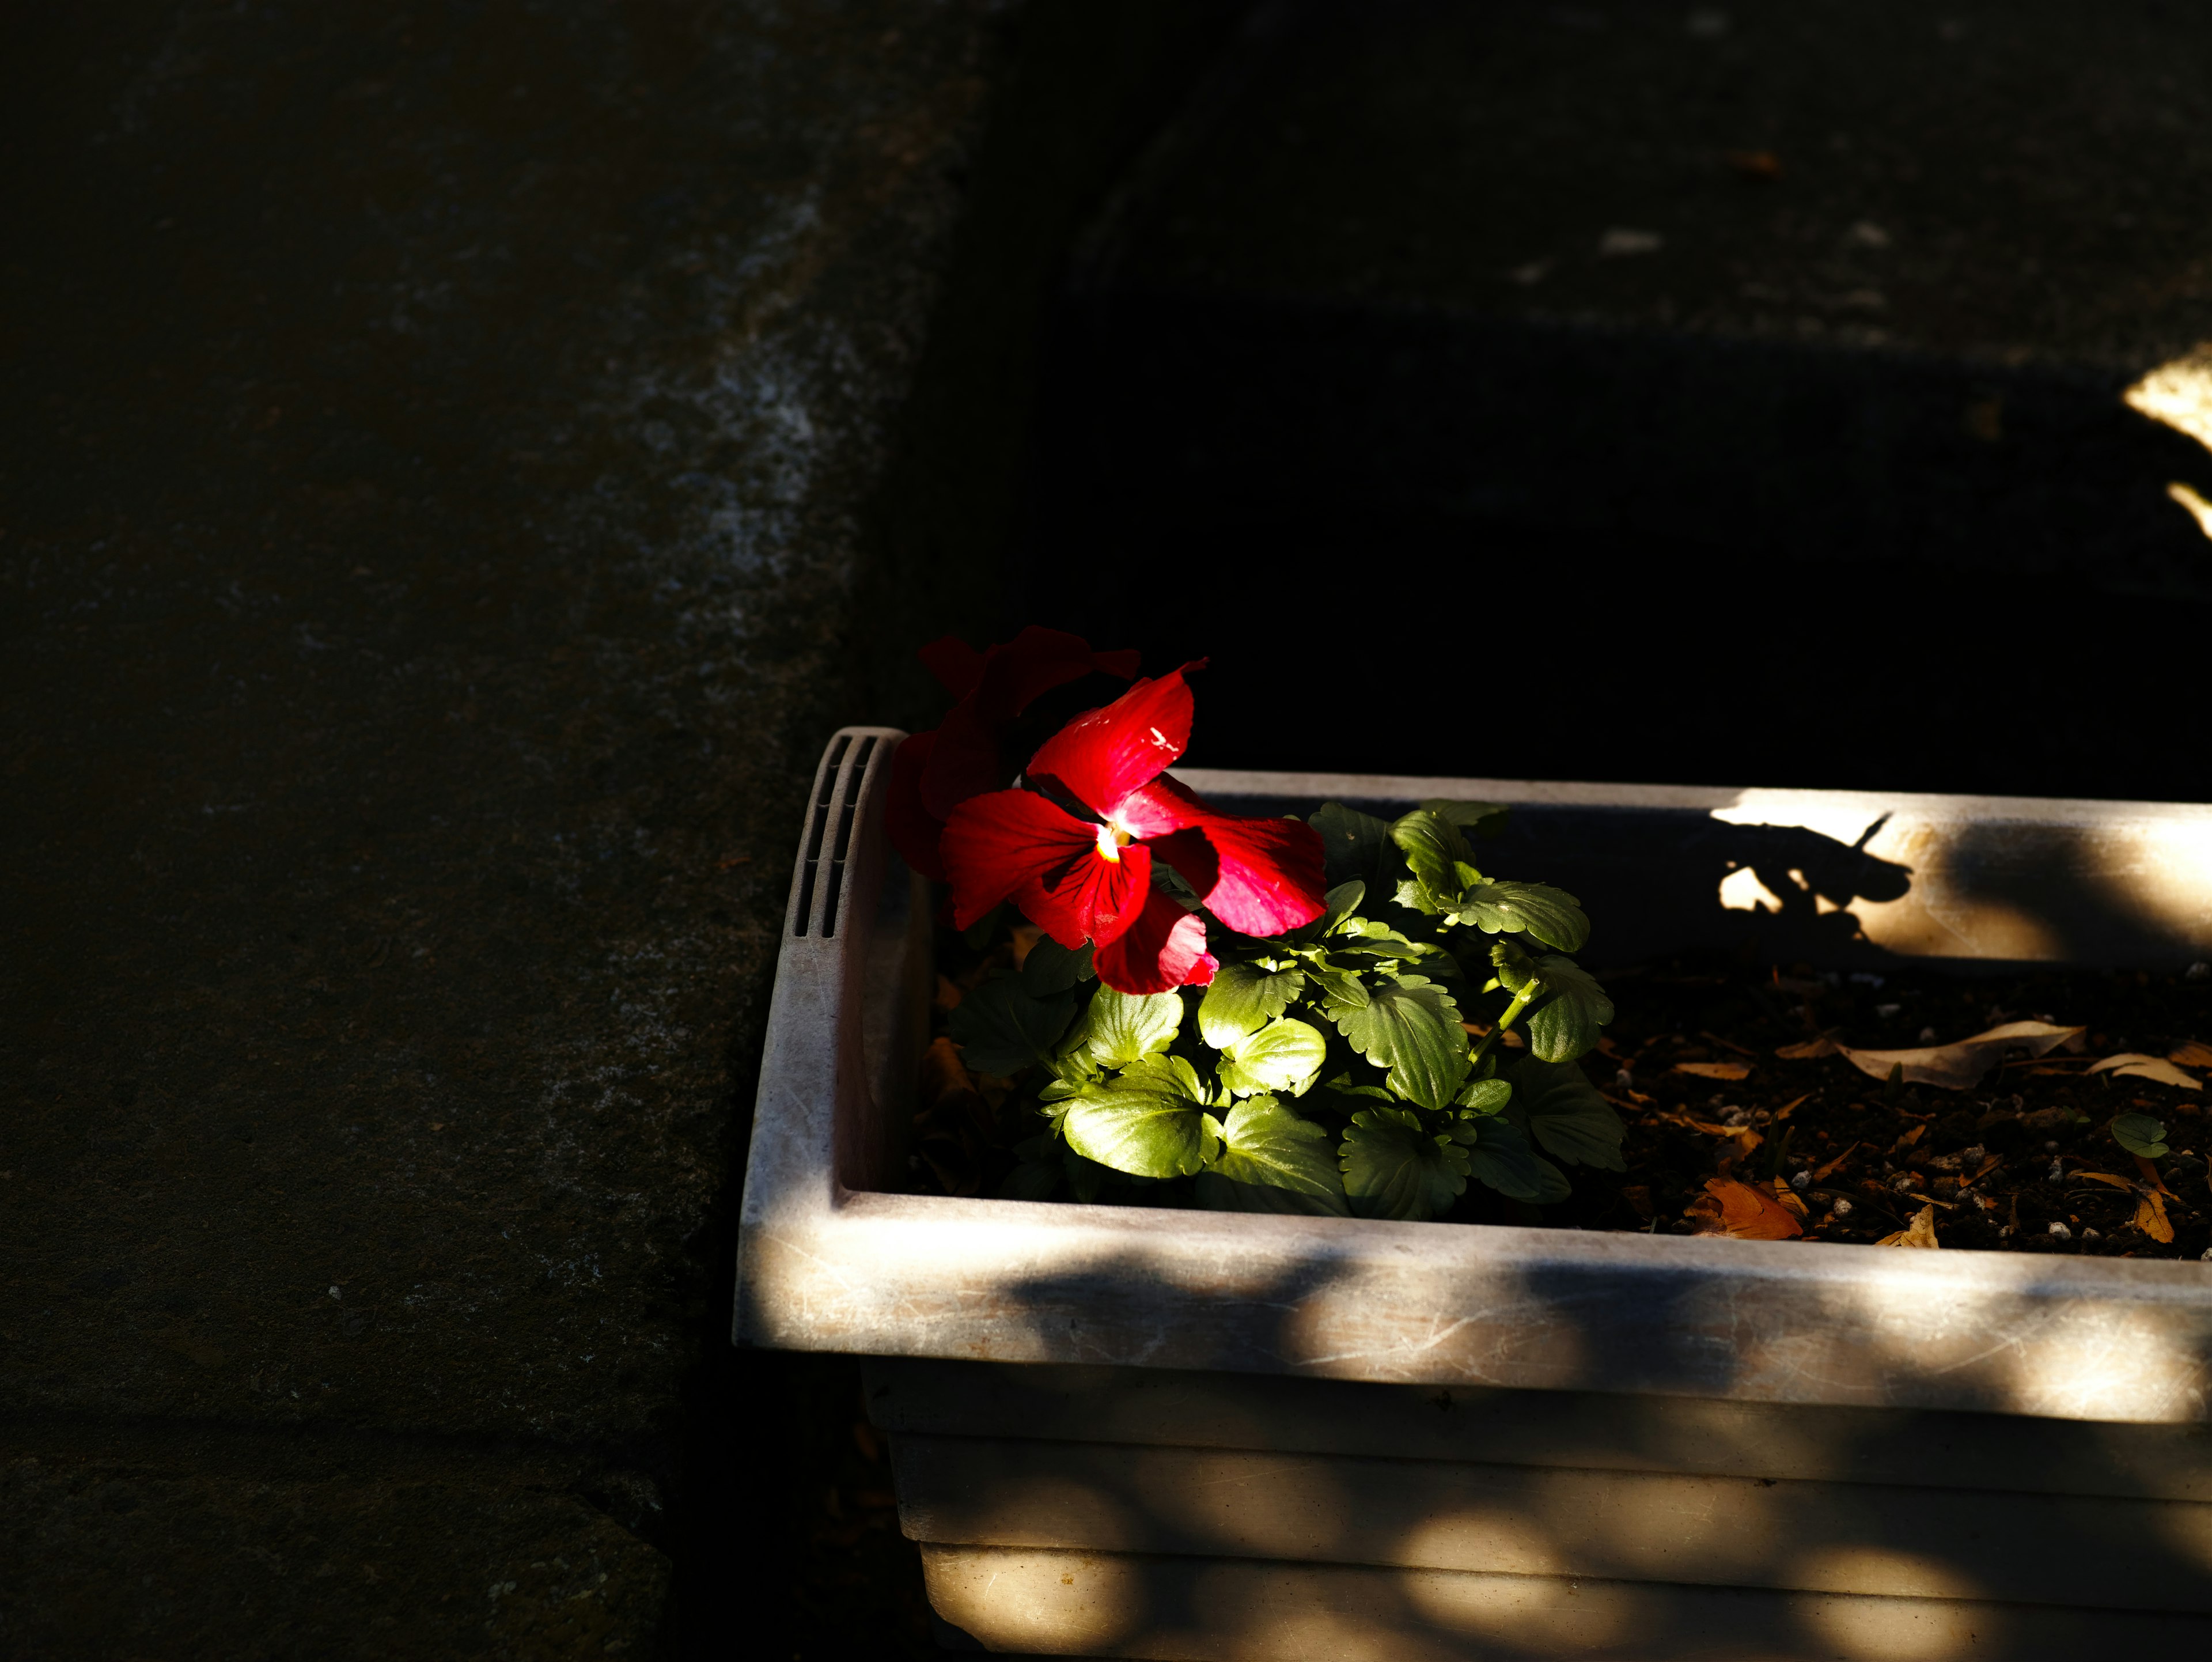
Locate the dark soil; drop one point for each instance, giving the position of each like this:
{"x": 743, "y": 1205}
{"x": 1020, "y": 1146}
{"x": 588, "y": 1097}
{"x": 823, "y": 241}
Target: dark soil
{"x": 2001, "y": 1164}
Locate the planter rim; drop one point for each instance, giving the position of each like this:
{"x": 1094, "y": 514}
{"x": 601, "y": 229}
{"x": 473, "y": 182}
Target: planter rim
{"x": 826, "y": 1264}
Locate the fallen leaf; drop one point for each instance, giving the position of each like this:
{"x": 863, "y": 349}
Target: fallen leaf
{"x": 948, "y": 995}
{"x": 1921, "y": 1231}
{"x": 1906, "y": 1142}
{"x": 1638, "y": 1197}
{"x": 1791, "y": 1107}
{"x": 1728, "y": 1045}
{"x": 1730, "y": 1207}
{"x": 1730, "y": 1070}
{"x": 1835, "y": 1163}
{"x": 1822, "y": 1046}
{"x": 943, "y": 1073}
{"x": 2191, "y": 1054}
{"x": 1960, "y": 1067}
{"x": 2150, "y": 1216}
{"x": 2130, "y": 1065}
{"x": 1988, "y": 1167}
{"x": 1787, "y": 1196}
{"x": 2152, "y": 1177}
{"x": 1744, "y": 1137}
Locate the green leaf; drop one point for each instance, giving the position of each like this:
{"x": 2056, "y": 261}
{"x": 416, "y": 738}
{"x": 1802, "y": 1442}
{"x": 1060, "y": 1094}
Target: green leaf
{"x": 1411, "y": 1027}
{"x": 1265, "y": 1145}
{"x": 1000, "y": 1029}
{"x": 1119, "y": 1028}
{"x": 1051, "y": 968}
{"x": 1485, "y": 1096}
{"x": 1503, "y": 1159}
{"x": 1549, "y": 915}
{"x": 1483, "y": 818}
{"x": 1338, "y": 903}
{"x": 2139, "y": 1134}
{"x": 1342, "y": 1085}
{"x": 1355, "y": 844}
{"x": 1566, "y": 1114}
{"x": 1442, "y": 863}
{"x": 1515, "y": 969}
{"x": 1243, "y": 999}
{"x": 980, "y": 933}
{"x": 1285, "y": 1055}
{"x": 1565, "y": 1023}
{"x": 1394, "y": 1168}
{"x": 1364, "y": 934}
{"x": 1338, "y": 990}
{"x": 1218, "y": 1194}
{"x": 1033, "y": 1180}
{"x": 1149, "y": 1122}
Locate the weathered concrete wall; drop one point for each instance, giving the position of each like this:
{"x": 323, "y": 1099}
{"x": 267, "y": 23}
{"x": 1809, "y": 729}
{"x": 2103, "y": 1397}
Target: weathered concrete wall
{"x": 450, "y": 454}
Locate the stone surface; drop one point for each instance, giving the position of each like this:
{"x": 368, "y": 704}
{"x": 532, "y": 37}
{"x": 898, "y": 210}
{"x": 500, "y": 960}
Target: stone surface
{"x": 457, "y": 466}
{"x": 1773, "y": 370}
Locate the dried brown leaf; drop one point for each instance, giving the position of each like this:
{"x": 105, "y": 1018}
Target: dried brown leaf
{"x": 1921, "y": 1231}
{"x": 2191, "y": 1054}
{"x": 1738, "y": 1209}
{"x": 1728, "y": 1070}
{"x": 1811, "y": 1048}
{"x": 948, "y": 995}
{"x": 943, "y": 1073}
{"x": 2150, "y": 1216}
{"x": 1726, "y": 1044}
{"x": 2131, "y": 1065}
{"x": 1837, "y": 1164}
{"x": 1790, "y": 1107}
{"x": 1960, "y": 1067}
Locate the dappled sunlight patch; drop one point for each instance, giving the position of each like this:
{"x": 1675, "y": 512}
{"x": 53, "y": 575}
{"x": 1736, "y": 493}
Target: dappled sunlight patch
{"x": 1017, "y": 1599}
{"x": 1547, "y": 1615}
{"x": 1506, "y": 1537}
{"x": 1871, "y": 1630}
{"x": 1883, "y": 1570}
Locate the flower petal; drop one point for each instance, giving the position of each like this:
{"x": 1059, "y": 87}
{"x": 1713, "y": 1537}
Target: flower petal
{"x": 965, "y": 761}
{"x": 1015, "y": 843}
{"x": 997, "y": 685}
{"x": 914, "y": 829}
{"x": 1104, "y": 755}
{"x": 1164, "y": 949}
{"x": 1033, "y": 663}
{"x": 957, "y": 665}
{"x": 1259, "y": 876}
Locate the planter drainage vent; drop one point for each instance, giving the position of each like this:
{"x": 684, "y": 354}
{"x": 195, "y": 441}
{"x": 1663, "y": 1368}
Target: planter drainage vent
{"x": 838, "y": 786}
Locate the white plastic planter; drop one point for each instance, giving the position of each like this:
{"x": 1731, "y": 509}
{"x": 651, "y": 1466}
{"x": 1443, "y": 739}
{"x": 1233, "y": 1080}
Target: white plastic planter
{"x": 1129, "y": 1432}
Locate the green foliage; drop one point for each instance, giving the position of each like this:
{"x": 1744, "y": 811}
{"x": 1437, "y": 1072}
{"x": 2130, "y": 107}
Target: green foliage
{"x": 1121, "y": 1028}
{"x": 1549, "y": 915}
{"x": 1285, "y": 1055}
{"x": 1396, "y": 1167}
{"x": 1411, "y": 1027}
{"x": 1244, "y": 999}
{"x": 1266, "y": 1147}
{"x": 1565, "y": 1024}
{"x": 1501, "y": 1157}
{"x": 1001, "y": 1029}
{"x": 2139, "y": 1134}
{"x": 1051, "y": 968}
{"x": 1185, "y": 1097}
{"x": 1566, "y": 1114}
{"x": 1150, "y": 1122}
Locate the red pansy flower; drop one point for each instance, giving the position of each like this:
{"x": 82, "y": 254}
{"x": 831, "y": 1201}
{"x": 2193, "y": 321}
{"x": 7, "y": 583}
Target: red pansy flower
{"x": 1090, "y": 878}
{"x": 933, "y": 773}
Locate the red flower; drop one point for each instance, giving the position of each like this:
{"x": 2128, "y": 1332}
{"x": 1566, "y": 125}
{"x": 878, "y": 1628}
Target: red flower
{"x": 1090, "y": 878}
{"x": 933, "y": 773}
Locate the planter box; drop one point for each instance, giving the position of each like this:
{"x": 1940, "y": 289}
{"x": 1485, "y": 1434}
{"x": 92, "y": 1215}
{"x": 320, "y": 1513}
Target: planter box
{"x": 1127, "y": 1432}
